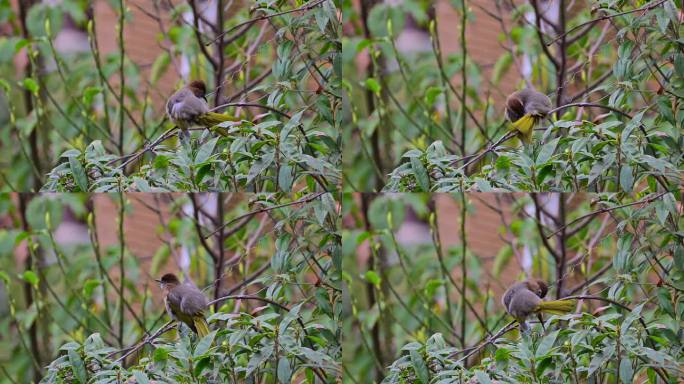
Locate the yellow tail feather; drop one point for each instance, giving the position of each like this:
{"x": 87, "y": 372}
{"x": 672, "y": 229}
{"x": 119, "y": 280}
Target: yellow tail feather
{"x": 525, "y": 126}
{"x": 201, "y": 325}
{"x": 210, "y": 119}
{"x": 557, "y": 307}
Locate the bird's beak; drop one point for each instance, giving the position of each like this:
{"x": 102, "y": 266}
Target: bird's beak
{"x": 158, "y": 281}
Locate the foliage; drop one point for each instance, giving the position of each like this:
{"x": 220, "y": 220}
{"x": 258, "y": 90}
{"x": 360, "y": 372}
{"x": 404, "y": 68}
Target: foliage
{"x": 612, "y": 346}
{"x": 421, "y": 114}
{"x": 410, "y": 321}
{"x": 71, "y": 124}
{"x": 278, "y": 321}
{"x": 266, "y": 348}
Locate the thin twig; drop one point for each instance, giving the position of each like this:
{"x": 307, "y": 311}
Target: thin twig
{"x": 606, "y": 17}
{"x": 490, "y": 340}
{"x": 646, "y": 200}
{"x": 305, "y": 199}
{"x": 147, "y": 340}
{"x": 304, "y": 7}
{"x": 486, "y": 151}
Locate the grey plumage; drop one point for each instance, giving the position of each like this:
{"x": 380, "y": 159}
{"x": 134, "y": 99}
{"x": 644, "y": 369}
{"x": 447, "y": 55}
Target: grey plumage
{"x": 516, "y": 288}
{"x": 183, "y": 107}
{"x": 527, "y": 101}
{"x": 185, "y": 303}
{"x": 520, "y": 301}
{"x": 188, "y": 298}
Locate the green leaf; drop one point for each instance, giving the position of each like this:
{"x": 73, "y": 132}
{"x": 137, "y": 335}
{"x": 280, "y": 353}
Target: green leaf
{"x": 259, "y": 166}
{"x": 626, "y": 178}
{"x": 626, "y": 371}
{"x": 79, "y": 174}
{"x": 431, "y": 94}
{"x": 483, "y": 185}
{"x": 77, "y": 366}
{"x": 482, "y": 378}
{"x": 373, "y": 85}
{"x": 419, "y": 367}
{"x": 502, "y": 355}
{"x": 624, "y": 250}
{"x": 501, "y": 261}
{"x": 202, "y": 364}
{"x": 31, "y": 278}
{"x": 280, "y": 262}
{"x": 503, "y": 163}
{"x": 679, "y": 64}
{"x": 679, "y": 258}
{"x": 546, "y": 344}
{"x": 373, "y": 278}
{"x": 599, "y": 359}
{"x": 289, "y": 126}
{"x": 284, "y": 371}
{"x": 161, "y": 256}
{"x": 633, "y": 315}
{"x": 160, "y": 354}
{"x": 285, "y": 178}
{"x": 292, "y": 315}
{"x": 141, "y": 377}
{"x": 261, "y": 356}
{"x": 431, "y": 287}
{"x": 503, "y": 64}
{"x": 634, "y": 123}
{"x": 89, "y": 93}
{"x": 159, "y": 67}
{"x": 205, "y": 151}
{"x": 31, "y": 85}
{"x": 546, "y": 152}
{"x": 89, "y": 286}
{"x": 141, "y": 185}
{"x": 5, "y": 278}
{"x": 6, "y": 87}
{"x": 161, "y": 162}
{"x": 204, "y": 344}
{"x": 421, "y": 174}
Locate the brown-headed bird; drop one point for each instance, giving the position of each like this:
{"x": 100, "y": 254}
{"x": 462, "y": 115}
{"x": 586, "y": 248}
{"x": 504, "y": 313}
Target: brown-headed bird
{"x": 185, "y": 302}
{"x": 188, "y": 107}
{"x": 524, "y": 109}
{"x": 525, "y": 298}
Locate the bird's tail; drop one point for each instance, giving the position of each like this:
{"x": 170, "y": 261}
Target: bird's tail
{"x": 209, "y": 119}
{"x": 525, "y": 125}
{"x": 556, "y": 307}
{"x": 201, "y": 325}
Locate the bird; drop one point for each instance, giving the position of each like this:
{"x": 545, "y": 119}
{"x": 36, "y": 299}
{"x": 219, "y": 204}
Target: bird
{"x": 524, "y": 109}
{"x": 184, "y": 302}
{"x": 524, "y": 299}
{"x": 188, "y": 107}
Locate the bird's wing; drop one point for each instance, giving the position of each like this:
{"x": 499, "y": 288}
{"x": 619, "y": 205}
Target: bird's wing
{"x": 506, "y": 299}
{"x": 174, "y": 100}
{"x": 539, "y": 108}
{"x": 524, "y": 303}
{"x": 185, "y": 106}
{"x": 193, "y": 302}
{"x": 173, "y": 300}
{"x": 193, "y": 106}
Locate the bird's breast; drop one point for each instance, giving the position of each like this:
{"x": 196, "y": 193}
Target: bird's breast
{"x": 169, "y": 309}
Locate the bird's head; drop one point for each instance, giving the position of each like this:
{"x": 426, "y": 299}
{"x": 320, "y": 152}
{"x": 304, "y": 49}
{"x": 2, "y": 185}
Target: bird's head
{"x": 539, "y": 287}
{"x": 167, "y": 281}
{"x": 198, "y": 88}
{"x": 515, "y": 107}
